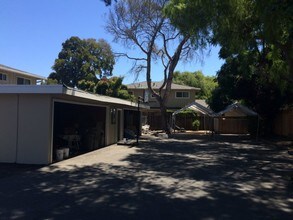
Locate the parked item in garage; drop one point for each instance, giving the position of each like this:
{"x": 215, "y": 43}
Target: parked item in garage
{"x": 59, "y": 154}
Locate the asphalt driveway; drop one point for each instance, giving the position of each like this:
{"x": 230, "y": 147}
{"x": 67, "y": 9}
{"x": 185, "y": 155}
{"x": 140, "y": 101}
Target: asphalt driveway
{"x": 176, "y": 178}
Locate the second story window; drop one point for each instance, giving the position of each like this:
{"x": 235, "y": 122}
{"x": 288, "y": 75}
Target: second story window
{"x": 23, "y": 81}
{"x": 3, "y": 77}
{"x": 182, "y": 95}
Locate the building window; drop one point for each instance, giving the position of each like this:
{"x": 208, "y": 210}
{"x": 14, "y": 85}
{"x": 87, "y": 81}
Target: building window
{"x": 182, "y": 95}
{"x": 3, "y": 77}
{"x": 23, "y": 81}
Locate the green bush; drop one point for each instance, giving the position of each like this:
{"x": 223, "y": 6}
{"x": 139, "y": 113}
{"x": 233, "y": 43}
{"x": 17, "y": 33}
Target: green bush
{"x": 196, "y": 124}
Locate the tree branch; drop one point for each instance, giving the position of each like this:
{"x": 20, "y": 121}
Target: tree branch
{"x": 131, "y": 58}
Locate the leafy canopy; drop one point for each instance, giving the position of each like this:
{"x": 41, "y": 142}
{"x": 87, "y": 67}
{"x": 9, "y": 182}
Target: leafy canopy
{"x": 85, "y": 59}
{"x": 264, "y": 26}
{"x": 256, "y": 42}
{"x": 113, "y": 87}
{"x": 198, "y": 80}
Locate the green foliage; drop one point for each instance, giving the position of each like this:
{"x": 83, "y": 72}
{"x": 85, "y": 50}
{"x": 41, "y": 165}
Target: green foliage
{"x": 243, "y": 25}
{"x": 192, "y": 18}
{"x": 239, "y": 79}
{"x": 82, "y": 60}
{"x": 113, "y": 87}
{"x": 206, "y": 83}
{"x": 124, "y": 94}
{"x": 187, "y": 112}
{"x": 102, "y": 87}
{"x": 256, "y": 43}
{"x": 219, "y": 100}
{"x": 196, "y": 124}
{"x": 50, "y": 82}
{"x": 86, "y": 85}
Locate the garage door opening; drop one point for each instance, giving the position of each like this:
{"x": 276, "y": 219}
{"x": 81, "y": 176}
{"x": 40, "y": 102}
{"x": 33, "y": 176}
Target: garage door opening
{"x": 77, "y": 129}
{"x": 131, "y": 121}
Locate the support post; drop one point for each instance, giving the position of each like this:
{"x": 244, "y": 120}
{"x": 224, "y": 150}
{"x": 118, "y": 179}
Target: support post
{"x": 138, "y": 119}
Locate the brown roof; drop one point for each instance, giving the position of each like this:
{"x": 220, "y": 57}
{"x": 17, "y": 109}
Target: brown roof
{"x": 157, "y": 85}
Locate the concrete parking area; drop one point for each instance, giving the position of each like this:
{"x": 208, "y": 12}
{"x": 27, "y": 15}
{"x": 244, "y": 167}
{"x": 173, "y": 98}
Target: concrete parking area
{"x": 183, "y": 177}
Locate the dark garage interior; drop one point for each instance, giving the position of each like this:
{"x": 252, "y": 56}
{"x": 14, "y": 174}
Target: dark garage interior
{"x": 77, "y": 129}
{"x": 131, "y": 123}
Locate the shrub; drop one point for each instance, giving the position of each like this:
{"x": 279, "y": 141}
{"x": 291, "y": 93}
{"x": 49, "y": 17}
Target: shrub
{"x": 196, "y": 124}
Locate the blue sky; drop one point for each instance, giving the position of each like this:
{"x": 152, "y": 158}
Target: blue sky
{"x": 32, "y": 32}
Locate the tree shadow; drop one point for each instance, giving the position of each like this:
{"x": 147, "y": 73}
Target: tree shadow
{"x": 161, "y": 179}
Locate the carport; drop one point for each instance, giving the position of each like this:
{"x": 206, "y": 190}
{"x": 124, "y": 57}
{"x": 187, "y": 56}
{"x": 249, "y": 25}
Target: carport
{"x": 81, "y": 128}
{"x": 39, "y": 119}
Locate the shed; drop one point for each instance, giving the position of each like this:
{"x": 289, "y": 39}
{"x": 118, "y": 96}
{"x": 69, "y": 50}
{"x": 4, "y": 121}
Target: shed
{"x": 234, "y": 119}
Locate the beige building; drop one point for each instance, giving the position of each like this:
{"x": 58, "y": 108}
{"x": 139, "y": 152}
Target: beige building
{"x": 36, "y": 121}
{"x": 180, "y": 96}
{"x": 13, "y": 76}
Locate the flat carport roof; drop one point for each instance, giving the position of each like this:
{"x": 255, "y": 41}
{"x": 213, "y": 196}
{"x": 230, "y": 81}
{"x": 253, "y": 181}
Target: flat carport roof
{"x": 67, "y": 91}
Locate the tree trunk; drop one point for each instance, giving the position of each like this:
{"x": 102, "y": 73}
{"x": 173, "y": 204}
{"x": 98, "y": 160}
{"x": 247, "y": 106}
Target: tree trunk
{"x": 164, "y": 117}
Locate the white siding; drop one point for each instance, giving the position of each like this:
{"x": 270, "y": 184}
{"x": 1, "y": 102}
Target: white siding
{"x": 34, "y": 129}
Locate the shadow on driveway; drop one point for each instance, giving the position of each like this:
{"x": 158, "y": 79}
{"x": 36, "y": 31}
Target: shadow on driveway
{"x": 176, "y": 178}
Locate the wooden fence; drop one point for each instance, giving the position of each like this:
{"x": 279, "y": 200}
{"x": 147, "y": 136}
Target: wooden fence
{"x": 283, "y": 124}
{"x": 232, "y": 125}
{"x": 185, "y": 121}
{"x": 228, "y": 125}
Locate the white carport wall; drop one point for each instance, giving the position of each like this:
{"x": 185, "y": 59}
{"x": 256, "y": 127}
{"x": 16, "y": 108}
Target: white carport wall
{"x": 25, "y": 129}
{"x": 114, "y": 125}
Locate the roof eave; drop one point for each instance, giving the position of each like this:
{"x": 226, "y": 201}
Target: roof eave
{"x": 12, "y": 70}
{"x": 63, "y": 90}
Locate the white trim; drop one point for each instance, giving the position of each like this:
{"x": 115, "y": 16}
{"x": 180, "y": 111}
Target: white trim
{"x": 31, "y": 89}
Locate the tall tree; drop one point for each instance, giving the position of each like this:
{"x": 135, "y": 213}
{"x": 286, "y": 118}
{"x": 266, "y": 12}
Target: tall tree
{"x": 84, "y": 60}
{"x": 256, "y": 42}
{"x": 240, "y": 80}
{"x": 142, "y": 24}
{"x": 264, "y": 26}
